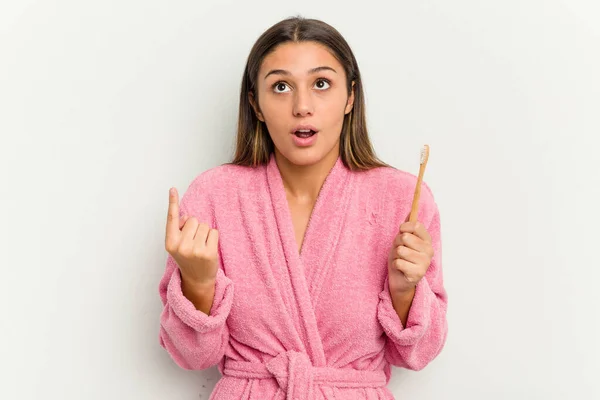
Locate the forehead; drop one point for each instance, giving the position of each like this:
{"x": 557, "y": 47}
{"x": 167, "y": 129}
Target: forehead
{"x": 298, "y": 58}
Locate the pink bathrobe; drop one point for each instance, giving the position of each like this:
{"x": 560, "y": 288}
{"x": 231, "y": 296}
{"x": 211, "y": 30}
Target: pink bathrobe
{"x": 318, "y": 324}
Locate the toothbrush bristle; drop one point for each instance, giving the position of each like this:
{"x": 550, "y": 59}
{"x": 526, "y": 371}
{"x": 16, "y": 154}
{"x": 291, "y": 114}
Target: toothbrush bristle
{"x": 424, "y": 154}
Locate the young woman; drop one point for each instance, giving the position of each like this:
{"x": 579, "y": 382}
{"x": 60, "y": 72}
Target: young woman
{"x": 292, "y": 267}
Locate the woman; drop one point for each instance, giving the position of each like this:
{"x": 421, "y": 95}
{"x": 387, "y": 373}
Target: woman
{"x": 292, "y": 267}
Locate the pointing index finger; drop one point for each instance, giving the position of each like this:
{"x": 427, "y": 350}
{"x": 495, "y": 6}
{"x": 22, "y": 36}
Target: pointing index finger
{"x": 173, "y": 213}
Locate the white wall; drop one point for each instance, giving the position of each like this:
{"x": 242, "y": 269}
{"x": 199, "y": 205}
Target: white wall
{"x": 105, "y": 105}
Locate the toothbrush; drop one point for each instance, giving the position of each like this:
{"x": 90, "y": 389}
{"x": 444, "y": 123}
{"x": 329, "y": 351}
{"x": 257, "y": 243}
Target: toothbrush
{"x": 415, "y": 204}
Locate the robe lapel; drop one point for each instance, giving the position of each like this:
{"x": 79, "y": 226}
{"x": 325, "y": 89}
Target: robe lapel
{"x": 325, "y": 228}
{"x": 307, "y": 269}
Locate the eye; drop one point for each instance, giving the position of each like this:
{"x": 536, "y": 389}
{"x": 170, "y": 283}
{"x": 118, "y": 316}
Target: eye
{"x": 279, "y": 87}
{"x": 322, "y": 84}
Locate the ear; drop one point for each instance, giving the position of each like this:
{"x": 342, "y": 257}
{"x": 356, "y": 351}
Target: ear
{"x": 255, "y": 107}
{"x": 350, "y": 102}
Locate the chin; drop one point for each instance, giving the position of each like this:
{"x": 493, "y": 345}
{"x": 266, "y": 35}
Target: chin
{"x": 304, "y": 157}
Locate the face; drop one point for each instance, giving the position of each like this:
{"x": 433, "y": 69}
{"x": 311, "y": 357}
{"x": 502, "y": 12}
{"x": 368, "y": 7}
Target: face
{"x": 303, "y": 98}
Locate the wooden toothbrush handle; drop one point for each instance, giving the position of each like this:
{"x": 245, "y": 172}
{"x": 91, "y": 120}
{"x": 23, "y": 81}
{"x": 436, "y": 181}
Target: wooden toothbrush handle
{"x": 415, "y": 204}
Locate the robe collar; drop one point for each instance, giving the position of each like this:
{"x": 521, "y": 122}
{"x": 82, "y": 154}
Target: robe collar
{"x": 308, "y": 269}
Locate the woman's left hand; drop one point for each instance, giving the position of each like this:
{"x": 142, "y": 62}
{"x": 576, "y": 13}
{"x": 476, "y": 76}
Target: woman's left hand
{"x": 409, "y": 258}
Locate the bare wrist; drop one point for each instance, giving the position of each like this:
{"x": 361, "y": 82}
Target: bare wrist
{"x": 198, "y": 287}
{"x": 406, "y": 295}
{"x": 200, "y": 294}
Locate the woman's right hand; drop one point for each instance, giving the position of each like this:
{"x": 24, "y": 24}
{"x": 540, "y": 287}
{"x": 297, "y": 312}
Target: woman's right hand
{"x": 193, "y": 245}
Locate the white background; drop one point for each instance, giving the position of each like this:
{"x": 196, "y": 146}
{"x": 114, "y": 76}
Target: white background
{"x": 105, "y": 105}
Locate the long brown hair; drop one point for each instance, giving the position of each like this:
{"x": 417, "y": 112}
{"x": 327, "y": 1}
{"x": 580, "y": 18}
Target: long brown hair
{"x": 254, "y": 145}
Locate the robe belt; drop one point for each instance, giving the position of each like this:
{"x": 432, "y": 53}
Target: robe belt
{"x": 297, "y": 377}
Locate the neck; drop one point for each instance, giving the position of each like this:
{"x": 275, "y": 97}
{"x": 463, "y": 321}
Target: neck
{"x": 305, "y": 181}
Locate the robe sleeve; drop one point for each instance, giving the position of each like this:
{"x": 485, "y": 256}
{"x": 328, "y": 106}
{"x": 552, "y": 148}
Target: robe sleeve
{"x": 415, "y": 345}
{"x": 193, "y": 339}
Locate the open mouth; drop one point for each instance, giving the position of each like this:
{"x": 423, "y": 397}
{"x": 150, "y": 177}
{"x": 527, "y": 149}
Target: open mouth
{"x": 304, "y": 133}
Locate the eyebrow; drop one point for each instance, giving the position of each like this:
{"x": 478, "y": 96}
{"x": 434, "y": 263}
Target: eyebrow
{"x": 310, "y": 71}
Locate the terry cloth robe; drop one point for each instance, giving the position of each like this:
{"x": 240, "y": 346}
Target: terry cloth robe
{"x": 314, "y": 324}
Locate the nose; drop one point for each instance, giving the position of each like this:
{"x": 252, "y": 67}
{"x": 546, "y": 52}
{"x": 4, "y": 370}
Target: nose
{"x": 303, "y": 103}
